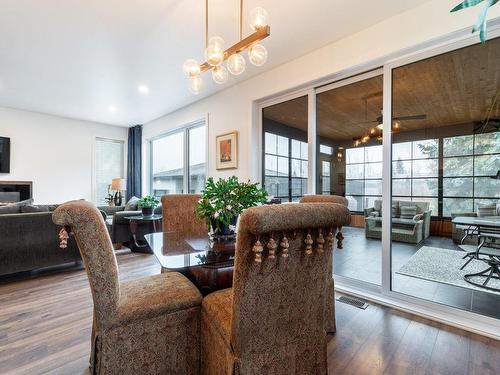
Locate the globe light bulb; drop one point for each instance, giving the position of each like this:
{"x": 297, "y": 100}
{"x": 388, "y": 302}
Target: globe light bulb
{"x": 219, "y": 74}
{"x": 191, "y": 68}
{"x": 258, "y": 18}
{"x": 195, "y": 84}
{"x": 257, "y": 54}
{"x": 214, "y": 53}
{"x": 236, "y": 64}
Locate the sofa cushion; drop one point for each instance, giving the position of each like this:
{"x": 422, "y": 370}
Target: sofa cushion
{"x": 394, "y": 211}
{"x": 15, "y": 208}
{"x": 29, "y": 208}
{"x": 132, "y": 204}
{"x": 408, "y": 212}
{"x": 484, "y": 210}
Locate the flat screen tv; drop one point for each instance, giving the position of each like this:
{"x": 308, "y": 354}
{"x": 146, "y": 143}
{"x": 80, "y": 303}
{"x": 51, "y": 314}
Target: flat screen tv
{"x": 4, "y": 155}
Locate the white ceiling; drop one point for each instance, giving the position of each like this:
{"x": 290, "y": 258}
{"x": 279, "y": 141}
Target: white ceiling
{"x": 78, "y": 58}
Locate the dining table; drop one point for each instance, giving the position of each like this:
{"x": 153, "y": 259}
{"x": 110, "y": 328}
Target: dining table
{"x": 206, "y": 262}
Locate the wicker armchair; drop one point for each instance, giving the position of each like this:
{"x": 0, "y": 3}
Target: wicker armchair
{"x": 273, "y": 319}
{"x": 330, "y": 297}
{"x": 145, "y": 326}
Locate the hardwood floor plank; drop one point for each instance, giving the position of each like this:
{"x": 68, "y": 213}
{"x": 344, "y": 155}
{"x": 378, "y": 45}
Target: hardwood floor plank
{"x": 45, "y": 328}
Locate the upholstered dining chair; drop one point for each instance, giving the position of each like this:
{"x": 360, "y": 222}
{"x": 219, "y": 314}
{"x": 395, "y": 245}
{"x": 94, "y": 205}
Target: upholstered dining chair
{"x": 179, "y": 214}
{"x": 330, "y": 296}
{"x": 146, "y": 326}
{"x": 272, "y": 321}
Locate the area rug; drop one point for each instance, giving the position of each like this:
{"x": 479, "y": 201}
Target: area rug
{"x": 443, "y": 265}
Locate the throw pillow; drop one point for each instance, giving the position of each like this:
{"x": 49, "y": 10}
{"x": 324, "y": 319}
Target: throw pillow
{"x": 15, "y": 208}
{"x": 408, "y": 212}
{"x": 395, "y": 211}
{"x": 374, "y": 214}
{"x": 132, "y": 204}
{"x": 486, "y": 210}
{"x": 29, "y": 208}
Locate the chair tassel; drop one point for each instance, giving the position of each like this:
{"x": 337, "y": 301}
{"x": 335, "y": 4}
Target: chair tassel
{"x": 63, "y": 238}
{"x": 340, "y": 238}
{"x": 271, "y": 246}
{"x": 330, "y": 238}
{"x": 320, "y": 241}
{"x": 309, "y": 243}
{"x": 258, "y": 249}
{"x": 284, "y": 246}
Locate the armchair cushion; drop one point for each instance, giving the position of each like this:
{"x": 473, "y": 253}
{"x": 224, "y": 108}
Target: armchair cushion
{"x": 217, "y": 308}
{"x": 408, "y": 212}
{"x": 151, "y": 296}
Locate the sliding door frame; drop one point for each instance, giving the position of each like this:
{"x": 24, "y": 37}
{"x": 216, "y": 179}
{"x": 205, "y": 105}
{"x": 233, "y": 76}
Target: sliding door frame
{"x": 382, "y": 293}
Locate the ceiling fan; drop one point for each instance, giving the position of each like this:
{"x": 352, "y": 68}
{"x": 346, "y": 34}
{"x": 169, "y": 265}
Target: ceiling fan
{"x": 380, "y": 119}
{"x": 376, "y": 132}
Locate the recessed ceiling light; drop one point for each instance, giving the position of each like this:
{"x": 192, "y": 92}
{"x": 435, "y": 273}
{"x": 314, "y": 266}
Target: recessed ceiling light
{"x": 112, "y": 108}
{"x": 143, "y": 89}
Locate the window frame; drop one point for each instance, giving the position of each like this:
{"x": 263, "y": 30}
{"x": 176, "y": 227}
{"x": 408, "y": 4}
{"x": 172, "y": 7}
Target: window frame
{"x": 185, "y": 130}
{"x": 95, "y": 166}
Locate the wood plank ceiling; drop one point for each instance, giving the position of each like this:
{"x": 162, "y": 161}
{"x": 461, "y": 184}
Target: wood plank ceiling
{"x": 452, "y": 88}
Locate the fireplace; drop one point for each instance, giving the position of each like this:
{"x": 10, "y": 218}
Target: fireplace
{"x": 15, "y": 191}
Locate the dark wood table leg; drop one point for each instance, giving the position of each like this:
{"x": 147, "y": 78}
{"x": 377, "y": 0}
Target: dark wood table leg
{"x": 134, "y": 244}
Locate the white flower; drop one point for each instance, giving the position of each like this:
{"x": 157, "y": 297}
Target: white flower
{"x": 216, "y": 214}
{"x": 229, "y": 207}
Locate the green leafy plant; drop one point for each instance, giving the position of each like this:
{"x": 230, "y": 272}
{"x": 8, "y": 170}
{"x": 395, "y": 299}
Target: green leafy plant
{"x": 481, "y": 24}
{"x": 222, "y": 201}
{"x": 148, "y": 201}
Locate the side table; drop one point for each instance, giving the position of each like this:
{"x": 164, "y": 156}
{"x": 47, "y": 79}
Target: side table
{"x": 140, "y": 245}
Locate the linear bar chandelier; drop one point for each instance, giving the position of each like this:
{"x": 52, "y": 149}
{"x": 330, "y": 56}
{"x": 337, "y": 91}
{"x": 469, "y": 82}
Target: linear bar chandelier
{"x": 215, "y": 54}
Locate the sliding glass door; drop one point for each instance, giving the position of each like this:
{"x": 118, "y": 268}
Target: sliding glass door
{"x": 445, "y": 160}
{"x": 415, "y": 148}
{"x": 349, "y": 163}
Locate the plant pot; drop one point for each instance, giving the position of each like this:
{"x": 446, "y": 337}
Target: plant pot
{"x": 147, "y": 211}
{"x": 221, "y": 229}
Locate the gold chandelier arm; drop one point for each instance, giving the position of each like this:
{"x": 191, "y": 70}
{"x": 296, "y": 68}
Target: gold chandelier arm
{"x": 206, "y": 23}
{"x": 241, "y": 19}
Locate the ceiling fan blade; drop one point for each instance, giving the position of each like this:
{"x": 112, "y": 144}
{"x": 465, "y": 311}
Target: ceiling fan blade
{"x": 414, "y": 117}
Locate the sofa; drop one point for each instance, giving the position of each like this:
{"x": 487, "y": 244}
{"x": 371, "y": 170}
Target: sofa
{"x": 411, "y": 221}
{"x": 486, "y": 211}
{"x": 29, "y": 240}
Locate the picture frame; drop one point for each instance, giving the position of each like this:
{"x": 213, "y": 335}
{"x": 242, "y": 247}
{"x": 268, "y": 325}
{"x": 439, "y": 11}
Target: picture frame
{"x": 227, "y": 150}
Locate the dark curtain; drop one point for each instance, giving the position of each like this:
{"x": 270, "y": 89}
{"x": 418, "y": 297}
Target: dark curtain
{"x": 134, "y": 162}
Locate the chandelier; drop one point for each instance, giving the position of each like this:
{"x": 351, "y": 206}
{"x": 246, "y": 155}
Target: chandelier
{"x": 216, "y": 54}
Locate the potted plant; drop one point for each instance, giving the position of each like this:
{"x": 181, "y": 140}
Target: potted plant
{"x": 222, "y": 201}
{"x": 148, "y": 204}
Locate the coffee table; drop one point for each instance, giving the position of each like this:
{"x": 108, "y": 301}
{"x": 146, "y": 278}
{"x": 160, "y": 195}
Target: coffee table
{"x": 208, "y": 264}
{"x": 139, "y": 245}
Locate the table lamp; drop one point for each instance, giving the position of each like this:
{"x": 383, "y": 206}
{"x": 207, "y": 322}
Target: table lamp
{"x": 118, "y": 185}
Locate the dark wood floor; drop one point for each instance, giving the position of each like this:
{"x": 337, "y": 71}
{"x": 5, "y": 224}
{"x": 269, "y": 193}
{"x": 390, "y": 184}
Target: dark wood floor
{"x": 45, "y": 329}
{"x": 361, "y": 259}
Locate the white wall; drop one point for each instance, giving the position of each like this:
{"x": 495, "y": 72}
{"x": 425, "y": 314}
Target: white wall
{"x": 233, "y": 108}
{"x": 55, "y": 153}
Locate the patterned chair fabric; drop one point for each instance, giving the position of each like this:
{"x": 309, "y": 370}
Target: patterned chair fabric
{"x": 179, "y": 214}
{"x": 150, "y": 325}
{"x": 330, "y": 296}
{"x": 273, "y": 319}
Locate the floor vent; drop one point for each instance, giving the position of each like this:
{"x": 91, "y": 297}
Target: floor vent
{"x": 359, "y": 303}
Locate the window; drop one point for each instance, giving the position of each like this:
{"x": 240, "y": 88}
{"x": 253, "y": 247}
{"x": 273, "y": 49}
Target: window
{"x": 363, "y": 176}
{"x": 178, "y": 161}
{"x": 327, "y": 150}
{"x": 325, "y": 177}
{"x": 468, "y": 164}
{"x": 285, "y": 167}
{"x": 415, "y": 172}
{"x": 109, "y": 164}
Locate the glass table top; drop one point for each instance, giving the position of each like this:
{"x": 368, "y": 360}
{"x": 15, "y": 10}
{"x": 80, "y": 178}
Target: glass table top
{"x": 144, "y": 218}
{"x": 174, "y": 250}
{"x": 480, "y": 221}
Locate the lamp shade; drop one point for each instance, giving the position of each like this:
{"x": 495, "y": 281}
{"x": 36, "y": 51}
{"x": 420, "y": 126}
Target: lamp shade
{"x": 118, "y": 184}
